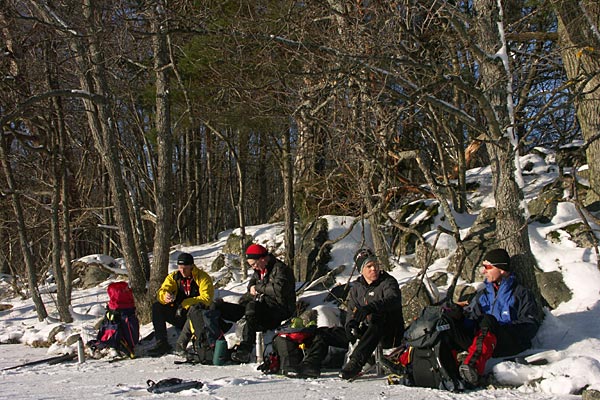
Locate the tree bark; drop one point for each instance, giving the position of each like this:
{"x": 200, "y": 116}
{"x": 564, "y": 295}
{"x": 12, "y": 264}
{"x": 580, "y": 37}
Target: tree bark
{"x": 580, "y": 49}
{"x": 511, "y": 225}
{"x": 22, "y": 229}
{"x": 163, "y": 198}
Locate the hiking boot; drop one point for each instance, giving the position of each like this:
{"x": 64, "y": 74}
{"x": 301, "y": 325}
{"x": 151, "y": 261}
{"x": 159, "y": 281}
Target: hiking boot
{"x": 461, "y": 357}
{"x": 308, "y": 371}
{"x": 351, "y": 370}
{"x": 469, "y": 374}
{"x": 241, "y": 356}
{"x": 392, "y": 367}
{"x": 180, "y": 351}
{"x": 161, "y": 348}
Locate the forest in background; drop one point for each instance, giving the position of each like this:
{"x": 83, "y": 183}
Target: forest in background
{"x": 131, "y": 126}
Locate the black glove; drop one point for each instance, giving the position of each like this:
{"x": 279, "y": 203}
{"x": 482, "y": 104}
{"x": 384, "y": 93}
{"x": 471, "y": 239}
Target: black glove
{"x": 453, "y": 311}
{"x": 363, "y": 312}
{"x": 352, "y": 330}
{"x": 490, "y": 323}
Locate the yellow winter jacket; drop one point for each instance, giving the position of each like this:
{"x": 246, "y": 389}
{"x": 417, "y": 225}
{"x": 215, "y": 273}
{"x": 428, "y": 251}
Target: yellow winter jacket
{"x": 202, "y": 279}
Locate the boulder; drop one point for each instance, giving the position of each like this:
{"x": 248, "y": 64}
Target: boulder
{"x": 307, "y": 266}
{"x": 553, "y": 288}
{"x": 414, "y": 300}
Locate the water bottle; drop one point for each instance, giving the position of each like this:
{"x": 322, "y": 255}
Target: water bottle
{"x": 260, "y": 347}
{"x": 80, "y": 351}
{"x": 220, "y": 353}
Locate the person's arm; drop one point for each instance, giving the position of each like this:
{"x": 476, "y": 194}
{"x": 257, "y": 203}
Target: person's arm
{"x": 277, "y": 284}
{"x": 169, "y": 286}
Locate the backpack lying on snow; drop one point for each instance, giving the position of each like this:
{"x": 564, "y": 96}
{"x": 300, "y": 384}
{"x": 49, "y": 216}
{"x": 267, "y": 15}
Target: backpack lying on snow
{"x": 430, "y": 361}
{"x": 172, "y": 385}
{"x": 120, "y": 328}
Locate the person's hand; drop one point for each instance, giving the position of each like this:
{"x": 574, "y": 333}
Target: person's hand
{"x": 362, "y": 313}
{"x": 453, "y": 311}
{"x": 169, "y": 298}
{"x": 490, "y": 323}
{"x": 253, "y": 291}
{"x": 352, "y": 330}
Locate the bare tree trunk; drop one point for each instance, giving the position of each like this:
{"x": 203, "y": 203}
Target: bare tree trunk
{"x": 511, "y": 225}
{"x": 288, "y": 193}
{"x": 577, "y": 20}
{"x": 58, "y": 192}
{"x": 163, "y": 190}
{"x": 92, "y": 77}
{"x": 22, "y": 229}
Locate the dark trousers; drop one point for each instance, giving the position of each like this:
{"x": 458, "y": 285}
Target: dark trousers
{"x": 163, "y": 313}
{"x": 336, "y": 337}
{"x": 258, "y": 315}
{"x": 507, "y": 336}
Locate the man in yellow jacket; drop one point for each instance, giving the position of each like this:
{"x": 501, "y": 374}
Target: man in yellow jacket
{"x": 181, "y": 289}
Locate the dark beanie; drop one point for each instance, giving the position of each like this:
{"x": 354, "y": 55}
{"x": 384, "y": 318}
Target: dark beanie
{"x": 363, "y": 257}
{"x": 256, "y": 251}
{"x": 499, "y": 258}
{"x": 185, "y": 259}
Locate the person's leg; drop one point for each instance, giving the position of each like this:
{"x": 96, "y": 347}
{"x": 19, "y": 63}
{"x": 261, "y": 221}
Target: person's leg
{"x": 161, "y": 313}
{"x": 230, "y": 311}
{"x": 367, "y": 343}
{"x": 480, "y": 350}
{"x": 183, "y": 339}
{"x": 310, "y": 367}
{"x": 257, "y": 317}
{"x": 363, "y": 350}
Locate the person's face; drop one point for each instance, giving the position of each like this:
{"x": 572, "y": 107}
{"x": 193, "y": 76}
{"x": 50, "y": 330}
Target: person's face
{"x": 185, "y": 270}
{"x": 257, "y": 264}
{"x": 371, "y": 271}
{"x": 492, "y": 273}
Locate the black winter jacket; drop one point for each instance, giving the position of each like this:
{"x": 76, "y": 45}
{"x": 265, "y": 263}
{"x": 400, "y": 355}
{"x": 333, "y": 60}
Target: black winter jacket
{"x": 278, "y": 287}
{"x": 384, "y": 297}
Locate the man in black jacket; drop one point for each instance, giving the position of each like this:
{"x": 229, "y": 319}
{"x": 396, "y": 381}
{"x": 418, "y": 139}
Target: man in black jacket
{"x": 374, "y": 316}
{"x": 270, "y": 299}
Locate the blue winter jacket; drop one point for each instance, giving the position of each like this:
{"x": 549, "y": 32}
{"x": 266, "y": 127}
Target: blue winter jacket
{"x": 512, "y": 305}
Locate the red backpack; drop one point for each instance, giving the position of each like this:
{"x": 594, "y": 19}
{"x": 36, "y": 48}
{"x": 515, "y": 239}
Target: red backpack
{"x": 120, "y": 327}
{"x": 120, "y": 296}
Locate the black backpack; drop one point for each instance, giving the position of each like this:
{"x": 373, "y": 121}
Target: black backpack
{"x": 206, "y": 330}
{"x": 288, "y": 352}
{"x": 432, "y": 363}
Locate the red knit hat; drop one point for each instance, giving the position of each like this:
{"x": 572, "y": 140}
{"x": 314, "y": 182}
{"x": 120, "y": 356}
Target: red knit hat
{"x": 256, "y": 251}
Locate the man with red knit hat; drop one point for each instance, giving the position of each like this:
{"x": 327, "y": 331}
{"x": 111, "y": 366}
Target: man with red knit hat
{"x": 270, "y": 299}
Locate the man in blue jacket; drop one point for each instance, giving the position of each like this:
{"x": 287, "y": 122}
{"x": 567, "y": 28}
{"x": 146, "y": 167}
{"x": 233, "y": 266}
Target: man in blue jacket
{"x": 500, "y": 320}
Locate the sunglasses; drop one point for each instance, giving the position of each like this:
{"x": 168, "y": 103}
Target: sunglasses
{"x": 488, "y": 265}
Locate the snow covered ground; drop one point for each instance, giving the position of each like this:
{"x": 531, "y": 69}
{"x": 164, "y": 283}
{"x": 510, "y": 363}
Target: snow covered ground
{"x": 572, "y": 330}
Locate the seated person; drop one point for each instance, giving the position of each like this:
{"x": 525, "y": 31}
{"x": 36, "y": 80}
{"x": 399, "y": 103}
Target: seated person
{"x": 500, "y": 320}
{"x": 180, "y": 290}
{"x": 270, "y": 299}
{"x": 375, "y": 315}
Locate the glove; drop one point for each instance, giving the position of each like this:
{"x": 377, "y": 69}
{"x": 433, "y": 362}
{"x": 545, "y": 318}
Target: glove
{"x": 453, "y": 311}
{"x": 490, "y": 323}
{"x": 362, "y": 313}
{"x": 352, "y": 331}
